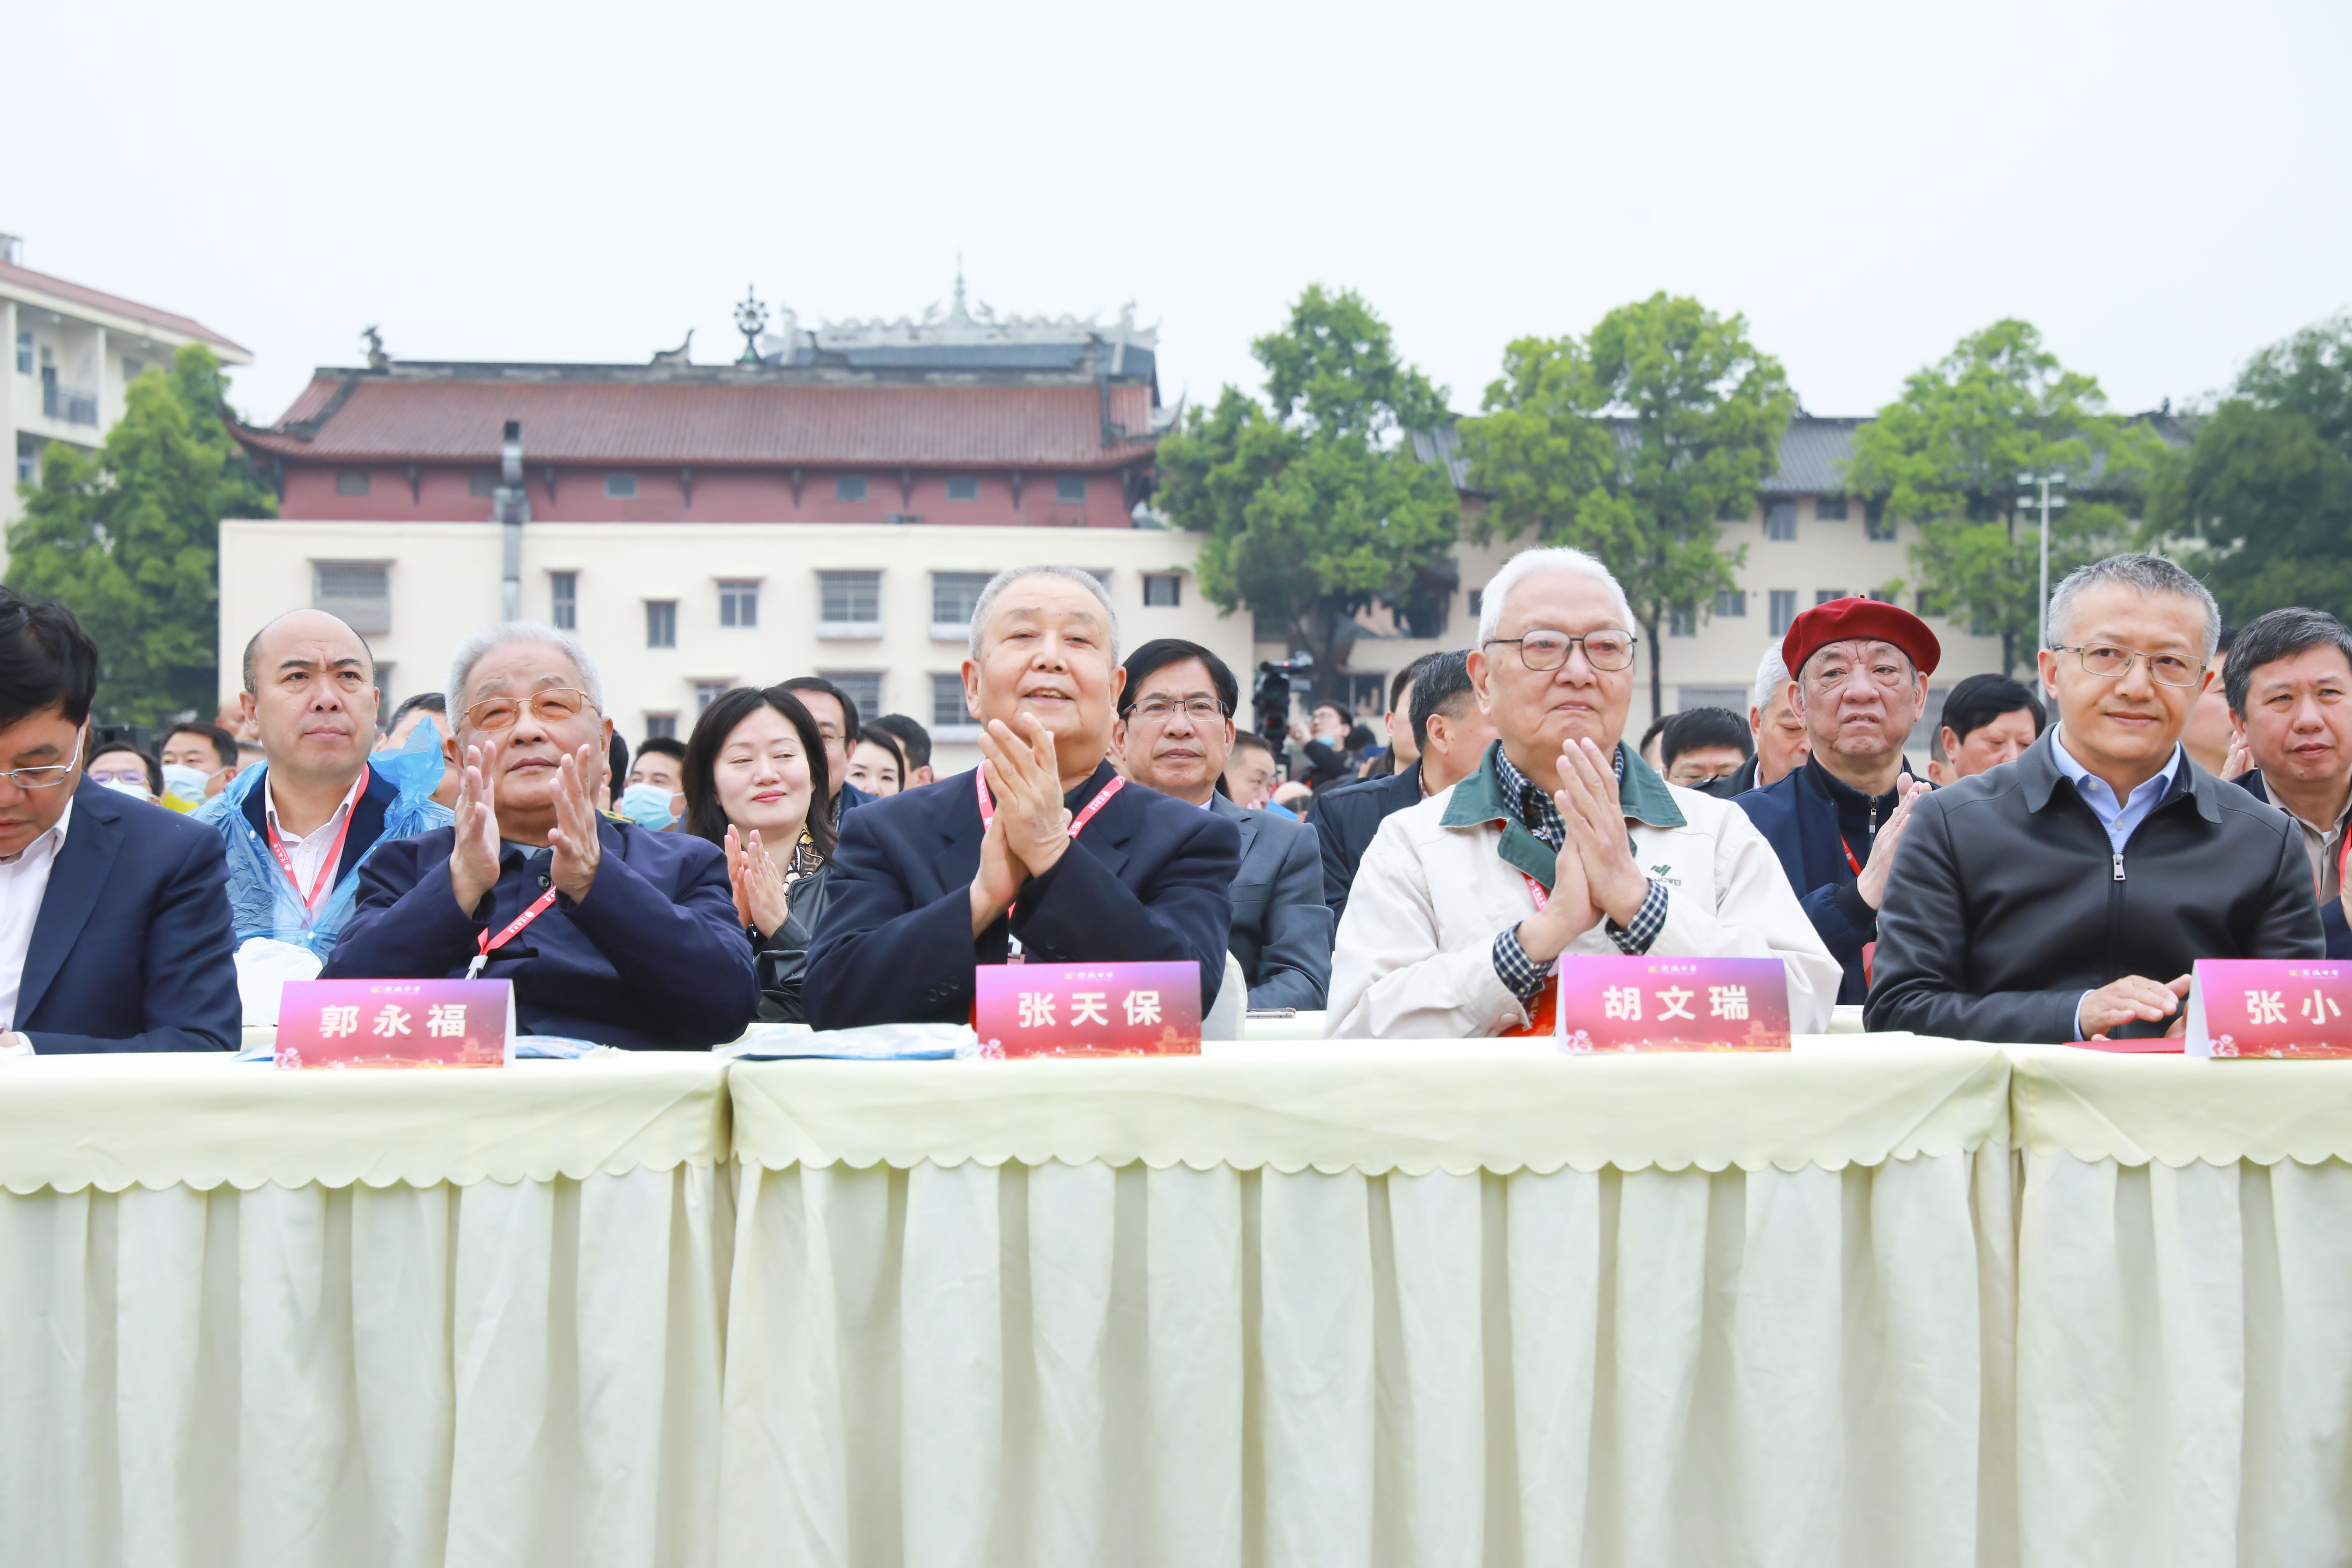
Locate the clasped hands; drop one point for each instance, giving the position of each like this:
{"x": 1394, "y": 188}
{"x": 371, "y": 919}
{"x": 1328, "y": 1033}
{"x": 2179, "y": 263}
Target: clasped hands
{"x": 1595, "y": 874}
{"x": 474, "y": 858}
{"x": 1031, "y": 828}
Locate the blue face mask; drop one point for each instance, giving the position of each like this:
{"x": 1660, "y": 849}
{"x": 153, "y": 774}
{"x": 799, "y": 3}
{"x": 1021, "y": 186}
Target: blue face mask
{"x": 648, "y": 806}
{"x": 185, "y": 782}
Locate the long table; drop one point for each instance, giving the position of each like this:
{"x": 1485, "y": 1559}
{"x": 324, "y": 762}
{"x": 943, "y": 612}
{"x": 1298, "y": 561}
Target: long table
{"x": 1881, "y": 1301}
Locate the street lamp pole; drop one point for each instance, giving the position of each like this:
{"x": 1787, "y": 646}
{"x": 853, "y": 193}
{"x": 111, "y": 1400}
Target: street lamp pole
{"x": 2039, "y": 496}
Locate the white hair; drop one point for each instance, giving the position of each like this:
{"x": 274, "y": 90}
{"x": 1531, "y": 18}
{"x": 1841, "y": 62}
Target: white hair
{"x": 1772, "y": 675}
{"x": 2144, "y": 575}
{"x": 1012, "y": 575}
{"x": 475, "y": 649}
{"x": 1533, "y": 562}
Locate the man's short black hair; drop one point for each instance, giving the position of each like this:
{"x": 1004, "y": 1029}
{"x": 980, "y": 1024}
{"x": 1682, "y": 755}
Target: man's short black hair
{"x": 663, "y": 746}
{"x": 223, "y": 744}
{"x": 1408, "y": 675}
{"x": 848, "y": 708}
{"x": 1442, "y": 685}
{"x": 1244, "y": 740}
{"x": 46, "y": 659}
{"x": 1697, "y": 729}
{"x": 2282, "y": 634}
{"x": 1981, "y": 699}
{"x": 122, "y": 742}
{"x": 431, "y": 701}
{"x": 2227, "y": 639}
{"x": 1160, "y": 653}
{"x": 616, "y": 757}
{"x": 1657, "y": 727}
{"x": 912, "y": 738}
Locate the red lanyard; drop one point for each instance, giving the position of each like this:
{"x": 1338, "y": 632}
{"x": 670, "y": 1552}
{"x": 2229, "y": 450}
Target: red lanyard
{"x": 1850, "y": 861}
{"x": 1536, "y": 890}
{"x": 1077, "y": 823}
{"x": 326, "y": 876}
{"x": 485, "y": 944}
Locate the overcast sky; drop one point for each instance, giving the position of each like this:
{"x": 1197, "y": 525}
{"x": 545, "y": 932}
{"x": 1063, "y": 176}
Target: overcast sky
{"x": 2160, "y": 187}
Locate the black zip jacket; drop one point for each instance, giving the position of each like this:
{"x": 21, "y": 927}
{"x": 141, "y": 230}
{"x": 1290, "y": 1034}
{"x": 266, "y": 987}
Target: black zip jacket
{"x": 2008, "y": 902}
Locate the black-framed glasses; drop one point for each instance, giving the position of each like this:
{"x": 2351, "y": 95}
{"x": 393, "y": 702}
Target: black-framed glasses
{"x": 2113, "y": 663}
{"x": 1547, "y": 651}
{"x": 50, "y": 776}
{"x": 552, "y": 705}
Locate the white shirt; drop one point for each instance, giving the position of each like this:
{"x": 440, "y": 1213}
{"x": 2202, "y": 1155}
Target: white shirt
{"x": 24, "y": 882}
{"x": 308, "y": 852}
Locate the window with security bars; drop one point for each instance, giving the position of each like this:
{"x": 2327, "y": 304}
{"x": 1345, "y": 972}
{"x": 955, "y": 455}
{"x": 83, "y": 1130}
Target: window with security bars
{"x": 661, "y": 726}
{"x": 862, "y": 687}
{"x": 1784, "y": 610}
{"x": 954, "y": 596}
{"x": 738, "y": 604}
{"x": 1781, "y": 521}
{"x": 357, "y": 593}
{"x": 948, "y": 711}
{"x": 563, "y": 600}
{"x": 661, "y": 623}
{"x": 1731, "y": 601}
{"x": 849, "y": 604}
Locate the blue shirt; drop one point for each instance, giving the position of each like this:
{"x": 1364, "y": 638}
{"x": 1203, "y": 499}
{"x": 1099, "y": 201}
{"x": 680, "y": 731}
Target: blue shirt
{"x": 2120, "y": 818}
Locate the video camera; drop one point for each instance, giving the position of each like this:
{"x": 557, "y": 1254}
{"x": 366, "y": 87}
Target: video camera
{"x": 1276, "y": 680}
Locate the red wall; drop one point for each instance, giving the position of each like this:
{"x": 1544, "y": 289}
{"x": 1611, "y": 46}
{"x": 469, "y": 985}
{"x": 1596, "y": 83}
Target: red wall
{"x": 444, "y": 494}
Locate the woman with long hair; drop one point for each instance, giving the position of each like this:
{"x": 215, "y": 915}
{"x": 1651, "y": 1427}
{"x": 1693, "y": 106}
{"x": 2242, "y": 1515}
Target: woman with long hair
{"x": 754, "y": 766}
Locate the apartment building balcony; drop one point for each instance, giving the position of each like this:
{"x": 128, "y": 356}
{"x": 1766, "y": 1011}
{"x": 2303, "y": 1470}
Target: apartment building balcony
{"x": 73, "y": 404}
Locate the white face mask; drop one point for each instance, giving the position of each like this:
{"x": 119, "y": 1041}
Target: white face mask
{"x": 130, "y": 787}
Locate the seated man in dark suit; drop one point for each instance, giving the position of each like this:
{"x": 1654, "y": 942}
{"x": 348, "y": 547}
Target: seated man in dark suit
{"x": 2289, "y": 680}
{"x": 297, "y": 829}
{"x": 1450, "y": 733}
{"x": 2065, "y": 895}
{"x": 1042, "y": 844}
{"x": 114, "y": 931}
{"x": 609, "y": 932}
{"x": 1175, "y": 730}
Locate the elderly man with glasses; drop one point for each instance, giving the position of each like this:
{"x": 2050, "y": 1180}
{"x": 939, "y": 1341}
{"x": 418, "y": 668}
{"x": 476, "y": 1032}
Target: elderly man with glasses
{"x": 1175, "y": 731}
{"x": 610, "y": 932}
{"x": 2066, "y": 895}
{"x": 1563, "y": 841}
{"x": 1859, "y": 674}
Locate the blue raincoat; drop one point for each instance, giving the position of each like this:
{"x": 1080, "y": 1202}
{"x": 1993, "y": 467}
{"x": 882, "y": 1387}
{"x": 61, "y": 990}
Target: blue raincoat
{"x": 262, "y": 902}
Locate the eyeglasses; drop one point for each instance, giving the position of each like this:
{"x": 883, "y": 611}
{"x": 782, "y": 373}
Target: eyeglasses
{"x": 1546, "y": 651}
{"x": 51, "y": 776}
{"x": 2114, "y": 663}
{"x": 1158, "y": 709}
{"x": 552, "y": 705}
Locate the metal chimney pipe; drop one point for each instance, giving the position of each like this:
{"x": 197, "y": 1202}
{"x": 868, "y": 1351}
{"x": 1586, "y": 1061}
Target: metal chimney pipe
{"x": 512, "y": 508}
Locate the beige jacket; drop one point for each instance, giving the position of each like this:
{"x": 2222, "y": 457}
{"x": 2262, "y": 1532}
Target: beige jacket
{"x": 1415, "y": 955}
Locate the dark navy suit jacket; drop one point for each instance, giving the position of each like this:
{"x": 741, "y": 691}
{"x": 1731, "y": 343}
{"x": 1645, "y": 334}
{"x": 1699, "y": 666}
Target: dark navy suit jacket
{"x": 651, "y": 959}
{"x": 1347, "y": 818}
{"x": 1800, "y": 824}
{"x": 2332, "y": 923}
{"x": 367, "y": 820}
{"x": 131, "y": 950}
{"x": 1149, "y": 878}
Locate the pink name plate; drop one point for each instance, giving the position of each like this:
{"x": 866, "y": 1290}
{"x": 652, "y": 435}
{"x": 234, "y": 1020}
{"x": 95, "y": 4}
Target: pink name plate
{"x": 396, "y": 1023}
{"x": 1087, "y": 1009}
{"x": 1672, "y": 1004}
{"x": 2270, "y": 1007}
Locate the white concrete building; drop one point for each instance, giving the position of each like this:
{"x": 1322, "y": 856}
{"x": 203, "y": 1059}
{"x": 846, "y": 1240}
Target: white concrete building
{"x": 71, "y": 352}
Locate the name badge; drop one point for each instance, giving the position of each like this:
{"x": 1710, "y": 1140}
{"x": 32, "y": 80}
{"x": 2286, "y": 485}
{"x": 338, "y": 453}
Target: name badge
{"x": 1087, "y": 1009}
{"x": 2272, "y": 1008}
{"x": 1617, "y": 1003}
{"x": 396, "y": 1023}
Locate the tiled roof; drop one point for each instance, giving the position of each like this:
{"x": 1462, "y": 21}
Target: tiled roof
{"x": 393, "y": 419}
{"x": 59, "y": 289}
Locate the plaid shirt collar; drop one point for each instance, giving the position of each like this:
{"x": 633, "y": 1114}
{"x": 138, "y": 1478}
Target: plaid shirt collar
{"x": 1535, "y": 808}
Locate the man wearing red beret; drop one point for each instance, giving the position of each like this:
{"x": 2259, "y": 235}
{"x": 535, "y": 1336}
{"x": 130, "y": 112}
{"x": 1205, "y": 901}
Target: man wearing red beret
{"x": 1861, "y": 671}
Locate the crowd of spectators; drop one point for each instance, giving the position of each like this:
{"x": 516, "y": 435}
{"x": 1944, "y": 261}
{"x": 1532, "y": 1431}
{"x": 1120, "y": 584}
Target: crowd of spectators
{"x": 2051, "y": 873}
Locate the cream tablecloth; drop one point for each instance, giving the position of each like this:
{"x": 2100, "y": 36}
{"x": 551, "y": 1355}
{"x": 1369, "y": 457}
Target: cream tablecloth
{"x": 1299, "y": 1305}
{"x": 249, "y": 1317}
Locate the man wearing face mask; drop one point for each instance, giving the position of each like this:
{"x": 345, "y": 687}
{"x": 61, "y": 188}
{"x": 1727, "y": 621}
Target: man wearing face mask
{"x": 199, "y": 759}
{"x": 1045, "y": 843}
{"x": 655, "y": 796}
{"x": 609, "y": 932}
{"x": 298, "y": 827}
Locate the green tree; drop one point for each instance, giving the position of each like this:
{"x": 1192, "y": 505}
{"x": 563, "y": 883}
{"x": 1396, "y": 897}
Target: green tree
{"x": 1311, "y": 508}
{"x": 2265, "y": 487}
{"x": 1948, "y": 452}
{"x": 130, "y": 536}
{"x": 1629, "y": 445}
